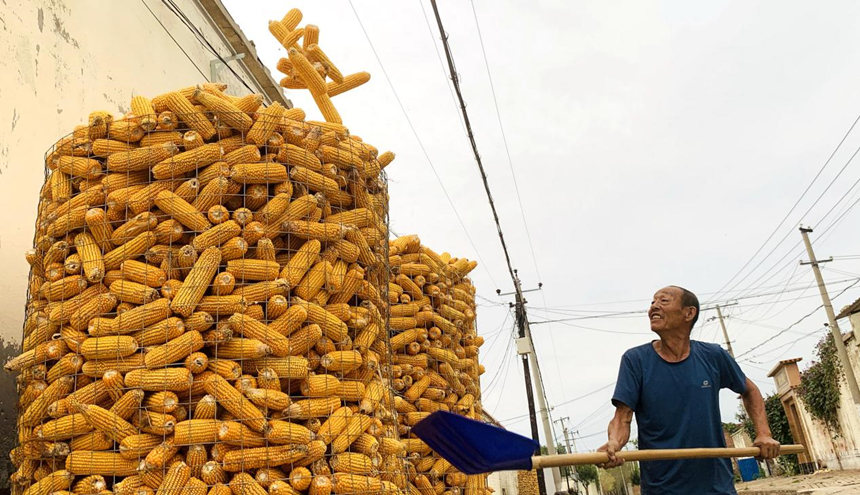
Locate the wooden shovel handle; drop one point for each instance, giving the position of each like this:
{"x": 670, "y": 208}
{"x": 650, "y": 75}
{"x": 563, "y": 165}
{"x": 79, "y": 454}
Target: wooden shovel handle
{"x": 545, "y": 461}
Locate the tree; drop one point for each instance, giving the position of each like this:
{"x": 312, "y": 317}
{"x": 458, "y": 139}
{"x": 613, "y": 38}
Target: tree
{"x": 607, "y": 481}
{"x": 778, "y": 422}
{"x": 819, "y": 385}
{"x": 635, "y": 476}
{"x": 587, "y": 474}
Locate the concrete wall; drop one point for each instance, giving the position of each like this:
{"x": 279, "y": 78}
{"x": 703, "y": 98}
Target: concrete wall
{"x": 61, "y": 60}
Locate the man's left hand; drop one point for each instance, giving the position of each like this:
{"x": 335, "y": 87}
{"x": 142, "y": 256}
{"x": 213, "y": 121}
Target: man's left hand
{"x": 769, "y": 447}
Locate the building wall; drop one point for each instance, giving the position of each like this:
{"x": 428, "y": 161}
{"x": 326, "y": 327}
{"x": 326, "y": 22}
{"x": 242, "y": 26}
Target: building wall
{"x": 503, "y": 482}
{"x": 63, "y": 59}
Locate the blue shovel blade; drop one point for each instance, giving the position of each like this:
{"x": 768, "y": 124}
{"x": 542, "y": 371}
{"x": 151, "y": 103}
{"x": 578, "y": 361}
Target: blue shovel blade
{"x": 474, "y": 447}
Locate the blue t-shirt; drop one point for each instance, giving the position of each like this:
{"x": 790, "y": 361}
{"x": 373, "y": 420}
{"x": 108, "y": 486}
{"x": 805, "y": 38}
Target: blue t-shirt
{"x": 677, "y": 406}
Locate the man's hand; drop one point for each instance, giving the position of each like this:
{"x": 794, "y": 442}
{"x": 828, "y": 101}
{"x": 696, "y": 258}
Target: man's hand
{"x": 769, "y": 447}
{"x": 611, "y": 447}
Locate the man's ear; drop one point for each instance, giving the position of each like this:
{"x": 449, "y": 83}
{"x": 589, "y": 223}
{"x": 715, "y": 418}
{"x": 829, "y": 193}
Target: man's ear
{"x": 690, "y": 313}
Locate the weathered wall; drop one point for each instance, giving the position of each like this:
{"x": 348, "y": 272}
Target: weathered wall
{"x": 829, "y": 448}
{"x": 61, "y": 60}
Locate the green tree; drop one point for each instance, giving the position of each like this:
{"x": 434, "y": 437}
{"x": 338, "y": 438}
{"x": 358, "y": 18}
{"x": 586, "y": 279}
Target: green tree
{"x": 819, "y": 385}
{"x": 587, "y": 474}
{"x": 778, "y": 422}
{"x": 607, "y": 481}
{"x": 635, "y": 476}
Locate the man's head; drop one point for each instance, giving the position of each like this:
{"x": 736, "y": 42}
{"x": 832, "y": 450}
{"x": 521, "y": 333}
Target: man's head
{"x": 673, "y": 308}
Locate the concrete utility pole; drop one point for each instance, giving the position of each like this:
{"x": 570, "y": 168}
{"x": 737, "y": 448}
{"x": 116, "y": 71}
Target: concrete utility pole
{"x": 834, "y": 327}
{"x": 524, "y": 348}
{"x": 544, "y": 409}
{"x": 725, "y": 332}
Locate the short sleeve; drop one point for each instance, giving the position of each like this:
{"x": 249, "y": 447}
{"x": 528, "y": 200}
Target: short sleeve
{"x": 731, "y": 376}
{"x": 629, "y": 383}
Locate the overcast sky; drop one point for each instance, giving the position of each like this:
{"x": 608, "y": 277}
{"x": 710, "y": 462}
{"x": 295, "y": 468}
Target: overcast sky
{"x": 653, "y": 143}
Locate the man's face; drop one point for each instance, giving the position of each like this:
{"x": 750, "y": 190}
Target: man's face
{"x": 667, "y": 313}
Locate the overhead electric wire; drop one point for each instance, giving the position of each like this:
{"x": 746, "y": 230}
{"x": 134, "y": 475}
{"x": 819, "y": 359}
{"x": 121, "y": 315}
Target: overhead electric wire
{"x": 420, "y": 142}
{"x": 178, "y": 44}
{"x": 505, "y": 141}
{"x": 568, "y": 401}
{"x": 172, "y": 7}
{"x": 793, "y": 207}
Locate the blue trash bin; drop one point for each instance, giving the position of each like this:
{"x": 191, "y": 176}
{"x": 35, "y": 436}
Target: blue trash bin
{"x": 748, "y": 468}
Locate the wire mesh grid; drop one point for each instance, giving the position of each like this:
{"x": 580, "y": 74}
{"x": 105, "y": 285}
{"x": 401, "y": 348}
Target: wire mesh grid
{"x": 208, "y": 310}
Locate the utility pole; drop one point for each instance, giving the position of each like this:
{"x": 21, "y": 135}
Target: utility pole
{"x": 524, "y": 349}
{"x": 544, "y": 409}
{"x": 725, "y": 332}
{"x": 570, "y": 450}
{"x": 834, "y": 327}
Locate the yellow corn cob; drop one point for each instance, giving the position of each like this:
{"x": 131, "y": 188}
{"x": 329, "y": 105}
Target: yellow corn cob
{"x": 212, "y": 474}
{"x": 325, "y": 232}
{"x": 173, "y": 379}
{"x": 313, "y": 281}
{"x": 290, "y": 321}
{"x": 300, "y": 262}
{"x": 223, "y": 305}
{"x": 99, "y": 305}
{"x": 230, "y": 370}
{"x": 373, "y": 394}
{"x": 350, "y": 81}
{"x": 321, "y": 485}
{"x": 251, "y": 269}
{"x": 267, "y": 122}
{"x": 99, "y": 228}
{"x": 236, "y": 247}
{"x": 143, "y": 109}
{"x": 315, "y": 54}
{"x": 175, "y": 350}
{"x": 327, "y": 109}
{"x": 283, "y": 432}
{"x": 205, "y": 408}
{"x": 108, "y": 347}
{"x": 130, "y": 250}
{"x": 140, "y": 158}
{"x": 226, "y": 111}
{"x": 218, "y": 214}
{"x": 63, "y": 288}
{"x": 223, "y": 284}
{"x": 242, "y": 459}
{"x": 304, "y": 69}
{"x": 162, "y": 402}
{"x": 196, "y": 283}
{"x": 53, "y": 482}
{"x": 312, "y": 408}
{"x": 244, "y": 484}
{"x": 187, "y": 161}
{"x": 98, "y": 368}
{"x": 91, "y": 256}
{"x": 352, "y": 462}
{"x": 84, "y": 462}
{"x": 109, "y": 423}
{"x": 196, "y": 431}
{"x": 259, "y": 173}
{"x": 254, "y": 329}
{"x": 175, "y": 480}
{"x": 89, "y": 485}
{"x": 286, "y": 37}
{"x": 79, "y": 167}
{"x": 273, "y": 400}
{"x": 232, "y": 400}
{"x": 355, "y": 426}
{"x": 188, "y": 190}
{"x": 342, "y": 361}
{"x": 139, "y": 223}
{"x": 143, "y": 273}
{"x": 179, "y": 105}
{"x": 331, "y": 325}
{"x": 216, "y": 235}
{"x": 356, "y": 484}
{"x": 63, "y": 428}
{"x": 320, "y": 386}
{"x": 133, "y": 292}
{"x": 237, "y": 434}
{"x": 181, "y": 211}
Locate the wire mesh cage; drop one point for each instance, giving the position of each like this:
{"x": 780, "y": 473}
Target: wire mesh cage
{"x": 214, "y": 306}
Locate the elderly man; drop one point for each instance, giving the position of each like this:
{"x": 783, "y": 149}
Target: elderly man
{"x": 672, "y": 385}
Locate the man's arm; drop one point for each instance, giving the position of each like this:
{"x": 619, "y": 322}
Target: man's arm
{"x": 754, "y": 404}
{"x": 619, "y": 434}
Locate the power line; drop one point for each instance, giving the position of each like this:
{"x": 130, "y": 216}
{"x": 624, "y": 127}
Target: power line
{"x": 178, "y": 45}
{"x": 456, "y": 80}
{"x": 505, "y": 142}
{"x": 793, "y": 207}
{"x": 172, "y": 7}
{"x": 583, "y": 396}
{"x": 420, "y": 142}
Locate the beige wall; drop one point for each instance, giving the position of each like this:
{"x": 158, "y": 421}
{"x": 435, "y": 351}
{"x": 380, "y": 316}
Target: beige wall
{"x": 61, "y": 60}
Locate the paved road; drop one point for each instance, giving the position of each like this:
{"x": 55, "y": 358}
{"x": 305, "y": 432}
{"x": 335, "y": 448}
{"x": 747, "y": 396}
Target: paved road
{"x": 820, "y": 483}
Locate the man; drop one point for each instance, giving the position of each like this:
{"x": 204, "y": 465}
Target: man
{"x": 672, "y": 385}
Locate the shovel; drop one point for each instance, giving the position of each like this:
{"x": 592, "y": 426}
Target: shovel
{"x": 474, "y": 447}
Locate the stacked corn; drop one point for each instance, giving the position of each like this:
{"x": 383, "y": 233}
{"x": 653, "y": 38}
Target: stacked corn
{"x": 207, "y": 306}
{"x": 434, "y": 345}
{"x": 527, "y": 482}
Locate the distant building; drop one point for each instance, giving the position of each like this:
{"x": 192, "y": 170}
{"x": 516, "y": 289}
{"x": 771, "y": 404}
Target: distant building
{"x": 824, "y": 449}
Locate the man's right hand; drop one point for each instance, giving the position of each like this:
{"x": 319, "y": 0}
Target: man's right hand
{"x": 611, "y": 447}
